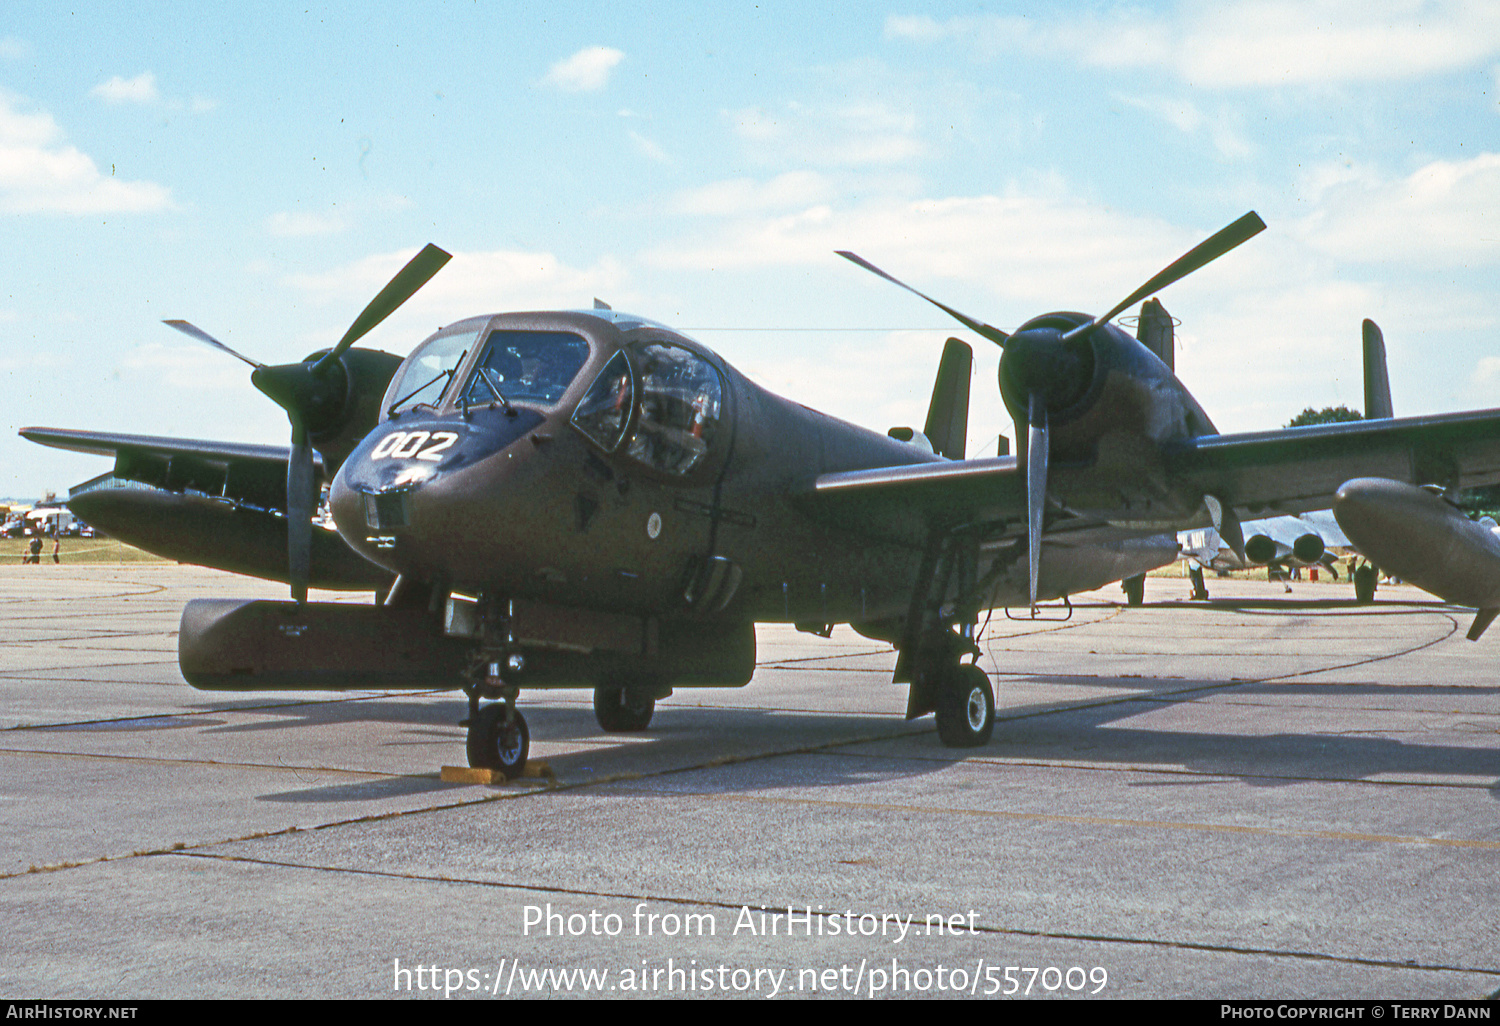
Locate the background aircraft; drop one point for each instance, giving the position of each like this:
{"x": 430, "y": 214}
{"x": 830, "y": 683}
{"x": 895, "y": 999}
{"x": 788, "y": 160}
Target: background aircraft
{"x": 1280, "y": 542}
{"x": 1304, "y": 540}
{"x": 566, "y": 498}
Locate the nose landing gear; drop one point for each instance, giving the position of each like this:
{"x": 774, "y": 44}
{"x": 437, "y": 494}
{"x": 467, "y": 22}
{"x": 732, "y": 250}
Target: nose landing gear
{"x": 499, "y": 739}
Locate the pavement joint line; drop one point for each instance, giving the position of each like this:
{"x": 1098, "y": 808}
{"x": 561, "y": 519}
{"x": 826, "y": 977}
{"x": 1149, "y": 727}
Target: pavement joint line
{"x": 537, "y": 787}
{"x": 1212, "y": 687}
{"x": 1161, "y": 771}
{"x": 162, "y": 760}
{"x": 1052, "y": 817}
{"x": 93, "y": 666}
{"x": 1002, "y": 931}
{"x": 147, "y": 589}
{"x": 1247, "y": 704}
{"x": 289, "y": 704}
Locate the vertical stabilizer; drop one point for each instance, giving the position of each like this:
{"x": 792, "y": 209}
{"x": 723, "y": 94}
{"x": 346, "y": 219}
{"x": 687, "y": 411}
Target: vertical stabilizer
{"x": 1154, "y": 330}
{"x": 948, "y": 414}
{"x": 1377, "y": 381}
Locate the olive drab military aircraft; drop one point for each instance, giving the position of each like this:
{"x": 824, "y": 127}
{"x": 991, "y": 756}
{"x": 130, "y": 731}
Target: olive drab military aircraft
{"x": 589, "y": 498}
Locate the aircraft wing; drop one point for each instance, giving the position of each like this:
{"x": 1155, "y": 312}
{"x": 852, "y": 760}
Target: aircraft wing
{"x": 1258, "y": 474}
{"x": 906, "y": 503}
{"x": 218, "y": 504}
{"x": 248, "y": 473}
{"x": 1297, "y": 470}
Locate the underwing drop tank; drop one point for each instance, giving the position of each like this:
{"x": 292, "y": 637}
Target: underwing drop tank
{"x": 1423, "y": 539}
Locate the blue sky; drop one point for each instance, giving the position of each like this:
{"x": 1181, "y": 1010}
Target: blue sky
{"x": 262, "y": 171}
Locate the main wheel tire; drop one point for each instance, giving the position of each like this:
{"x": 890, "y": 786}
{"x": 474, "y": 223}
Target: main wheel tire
{"x": 1365, "y": 579}
{"x": 966, "y": 708}
{"x": 1135, "y": 590}
{"x": 498, "y": 745}
{"x": 622, "y": 711}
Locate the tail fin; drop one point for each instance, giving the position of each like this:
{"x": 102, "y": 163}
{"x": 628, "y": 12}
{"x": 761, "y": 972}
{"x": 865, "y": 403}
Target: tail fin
{"x": 1377, "y": 381}
{"x": 1154, "y": 331}
{"x": 948, "y": 414}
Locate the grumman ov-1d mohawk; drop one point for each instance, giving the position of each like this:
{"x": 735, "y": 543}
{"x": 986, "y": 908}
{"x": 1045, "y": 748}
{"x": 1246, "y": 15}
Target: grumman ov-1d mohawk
{"x": 588, "y": 498}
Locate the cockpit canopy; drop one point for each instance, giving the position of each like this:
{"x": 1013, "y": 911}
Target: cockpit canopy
{"x": 661, "y": 403}
{"x": 655, "y": 401}
{"x": 516, "y": 366}
{"x": 526, "y": 367}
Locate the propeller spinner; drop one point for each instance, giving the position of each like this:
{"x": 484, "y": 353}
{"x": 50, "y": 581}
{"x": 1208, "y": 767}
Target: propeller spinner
{"x": 315, "y": 395}
{"x": 1049, "y": 366}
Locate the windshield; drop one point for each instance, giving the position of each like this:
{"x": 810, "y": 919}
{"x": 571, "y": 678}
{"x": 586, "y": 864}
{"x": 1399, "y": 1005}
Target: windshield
{"x": 424, "y": 377}
{"x": 526, "y": 367}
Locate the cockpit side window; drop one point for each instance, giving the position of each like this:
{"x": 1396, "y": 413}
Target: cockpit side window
{"x": 680, "y": 403}
{"x": 603, "y": 413}
{"x": 425, "y": 375}
{"x": 526, "y": 367}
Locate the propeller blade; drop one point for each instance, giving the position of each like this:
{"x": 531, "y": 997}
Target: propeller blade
{"x": 301, "y": 496}
{"x": 1037, "y": 451}
{"x": 403, "y": 286}
{"x": 1210, "y": 249}
{"x": 192, "y": 331}
{"x": 994, "y": 334}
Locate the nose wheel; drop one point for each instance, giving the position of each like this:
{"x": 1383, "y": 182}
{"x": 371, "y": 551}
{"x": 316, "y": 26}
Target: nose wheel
{"x": 499, "y": 740}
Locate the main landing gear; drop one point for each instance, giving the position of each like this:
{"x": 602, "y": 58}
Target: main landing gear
{"x": 965, "y": 707}
{"x": 623, "y": 710}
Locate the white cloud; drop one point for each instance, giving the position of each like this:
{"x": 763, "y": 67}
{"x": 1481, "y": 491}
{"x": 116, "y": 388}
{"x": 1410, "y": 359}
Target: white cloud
{"x": 649, "y": 149}
{"x": 1185, "y": 116}
{"x": 737, "y": 196}
{"x": 469, "y": 284}
{"x": 39, "y": 172}
{"x": 1250, "y": 43}
{"x": 13, "y": 49}
{"x": 141, "y": 89}
{"x": 854, "y": 135}
{"x": 197, "y": 368}
{"x": 1487, "y": 371}
{"x": 586, "y": 71}
{"x": 879, "y": 382}
{"x": 1444, "y": 214}
{"x": 1033, "y": 249}
{"x": 1284, "y": 42}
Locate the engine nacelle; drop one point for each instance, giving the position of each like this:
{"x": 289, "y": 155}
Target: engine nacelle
{"x": 1260, "y": 548}
{"x": 1308, "y": 549}
{"x": 1101, "y": 383}
{"x": 344, "y": 424}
